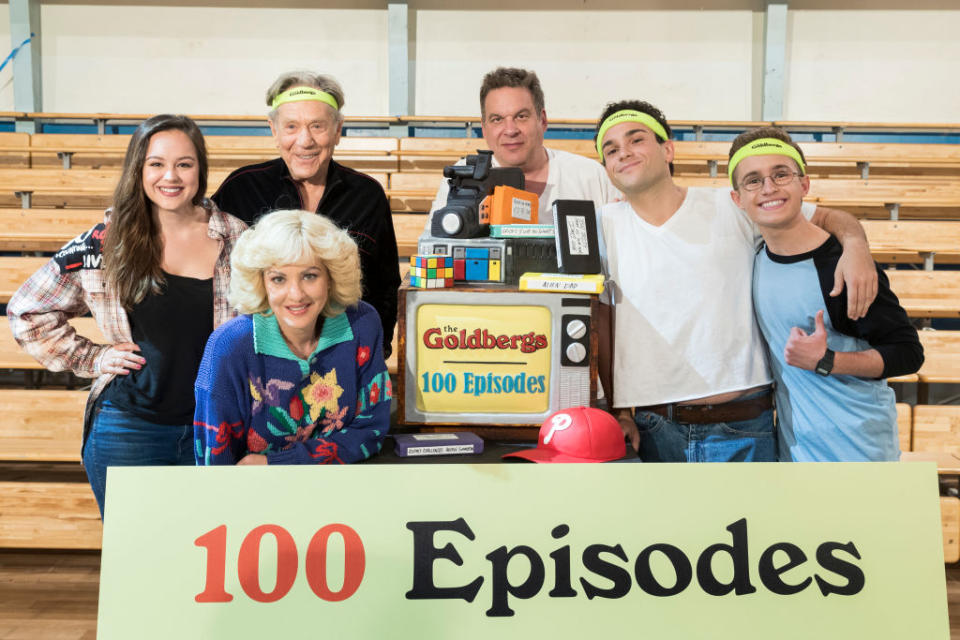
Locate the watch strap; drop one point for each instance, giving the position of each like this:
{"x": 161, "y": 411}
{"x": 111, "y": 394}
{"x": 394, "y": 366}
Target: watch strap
{"x": 825, "y": 366}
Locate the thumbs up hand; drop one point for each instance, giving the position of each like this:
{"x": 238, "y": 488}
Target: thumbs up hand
{"x": 805, "y": 350}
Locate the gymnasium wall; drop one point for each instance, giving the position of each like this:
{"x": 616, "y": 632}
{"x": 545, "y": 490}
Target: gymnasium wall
{"x": 874, "y": 66}
{"x": 869, "y": 60}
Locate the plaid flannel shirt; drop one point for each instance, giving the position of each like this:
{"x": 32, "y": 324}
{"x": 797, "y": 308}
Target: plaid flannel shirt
{"x": 72, "y": 283}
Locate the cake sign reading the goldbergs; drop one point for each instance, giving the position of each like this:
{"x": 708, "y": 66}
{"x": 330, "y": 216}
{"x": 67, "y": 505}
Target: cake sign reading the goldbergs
{"x": 483, "y": 339}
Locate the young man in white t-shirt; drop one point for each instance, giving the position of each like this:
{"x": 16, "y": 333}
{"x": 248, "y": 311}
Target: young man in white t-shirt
{"x": 679, "y": 344}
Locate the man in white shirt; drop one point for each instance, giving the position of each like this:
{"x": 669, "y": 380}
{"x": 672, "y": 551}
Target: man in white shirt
{"x": 514, "y": 119}
{"x": 689, "y": 377}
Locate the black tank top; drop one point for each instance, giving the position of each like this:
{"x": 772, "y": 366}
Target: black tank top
{"x": 171, "y": 328}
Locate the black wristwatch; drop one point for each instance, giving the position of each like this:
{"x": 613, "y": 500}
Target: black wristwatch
{"x": 825, "y": 366}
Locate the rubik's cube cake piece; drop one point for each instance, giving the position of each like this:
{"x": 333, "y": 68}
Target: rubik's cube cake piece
{"x": 431, "y": 271}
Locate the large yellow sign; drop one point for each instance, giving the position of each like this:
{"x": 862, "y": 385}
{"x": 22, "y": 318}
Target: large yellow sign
{"x": 483, "y": 358}
{"x": 473, "y": 552}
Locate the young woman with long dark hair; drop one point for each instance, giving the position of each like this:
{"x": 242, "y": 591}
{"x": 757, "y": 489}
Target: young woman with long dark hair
{"x": 154, "y": 274}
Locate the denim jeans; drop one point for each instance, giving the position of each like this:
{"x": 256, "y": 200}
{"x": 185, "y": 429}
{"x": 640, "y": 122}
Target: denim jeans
{"x": 663, "y": 440}
{"x": 120, "y": 439}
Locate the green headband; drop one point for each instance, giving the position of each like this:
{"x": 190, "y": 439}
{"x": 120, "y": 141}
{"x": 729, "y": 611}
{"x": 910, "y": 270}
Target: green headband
{"x": 629, "y": 115}
{"x": 765, "y": 147}
{"x": 296, "y": 94}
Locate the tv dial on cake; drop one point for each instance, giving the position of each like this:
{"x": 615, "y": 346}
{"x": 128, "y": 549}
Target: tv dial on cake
{"x": 576, "y": 352}
{"x": 576, "y": 329}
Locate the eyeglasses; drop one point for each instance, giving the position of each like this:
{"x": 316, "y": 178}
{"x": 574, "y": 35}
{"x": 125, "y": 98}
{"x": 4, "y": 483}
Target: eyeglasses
{"x": 780, "y": 178}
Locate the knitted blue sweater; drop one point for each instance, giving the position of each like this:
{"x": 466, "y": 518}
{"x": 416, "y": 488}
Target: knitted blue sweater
{"x": 255, "y": 396}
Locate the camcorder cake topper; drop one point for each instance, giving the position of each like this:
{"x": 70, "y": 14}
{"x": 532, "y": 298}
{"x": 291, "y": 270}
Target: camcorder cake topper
{"x": 483, "y": 198}
{"x": 469, "y": 185}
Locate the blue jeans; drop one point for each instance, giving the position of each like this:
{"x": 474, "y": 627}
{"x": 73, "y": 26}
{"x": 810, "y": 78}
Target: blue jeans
{"x": 120, "y": 439}
{"x": 663, "y": 440}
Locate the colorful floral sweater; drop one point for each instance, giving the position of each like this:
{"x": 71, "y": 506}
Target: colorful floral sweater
{"x": 255, "y": 396}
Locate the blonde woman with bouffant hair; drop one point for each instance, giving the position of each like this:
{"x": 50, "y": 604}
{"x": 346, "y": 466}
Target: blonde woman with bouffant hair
{"x": 300, "y": 377}
{"x": 284, "y": 237}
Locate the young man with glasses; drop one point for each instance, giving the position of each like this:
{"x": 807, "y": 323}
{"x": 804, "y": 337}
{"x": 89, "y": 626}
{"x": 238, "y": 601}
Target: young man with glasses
{"x": 832, "y": 401}
{"x": 689, "y": 373}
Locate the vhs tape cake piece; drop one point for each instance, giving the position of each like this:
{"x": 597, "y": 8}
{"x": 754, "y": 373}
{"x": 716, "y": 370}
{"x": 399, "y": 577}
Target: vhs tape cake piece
{"x": 437, "y": 444}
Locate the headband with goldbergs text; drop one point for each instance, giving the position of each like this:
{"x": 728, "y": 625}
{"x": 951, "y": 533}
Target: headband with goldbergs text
{"x": 629, "y": 115}
{"x": 765, "y": 147}
{"x": 299, "y": 94}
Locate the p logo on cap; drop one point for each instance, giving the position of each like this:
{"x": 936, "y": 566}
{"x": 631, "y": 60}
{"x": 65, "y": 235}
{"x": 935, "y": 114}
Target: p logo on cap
{"x": 579, "y": 434}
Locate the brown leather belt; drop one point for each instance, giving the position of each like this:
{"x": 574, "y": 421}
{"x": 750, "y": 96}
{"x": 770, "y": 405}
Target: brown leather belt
{"x": 733, "y": 411}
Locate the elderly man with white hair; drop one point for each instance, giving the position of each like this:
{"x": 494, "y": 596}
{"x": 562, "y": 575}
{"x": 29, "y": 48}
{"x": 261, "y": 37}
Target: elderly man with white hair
{"x": 306, "y": 119}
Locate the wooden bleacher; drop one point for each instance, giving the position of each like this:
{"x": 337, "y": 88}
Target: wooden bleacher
{"x": 368, "y": 154}
{"x": 433, "y": 154}
{"x": 832, "y": 159}
{"x": 47, "y": 230}
{"x": 919, "y": 183}
{"x": 407, "y": 227}
{"x": 914, "y": 241}
{"x": 80, "y": 188}
{"x": 883, "y": 199}
{"x": 44, "y": 229}
{"x": 41, "y": 425}
{"x": 824, "y": 159}
{"x": 45, "y": 500}
{"x": 889, "y": 198}
{"x": 413, "y": 191}
{"x": 27, "y": 188}
{"x": 941, "y": 357}
{"x": 905, "y": 426}
{"x": 14, "y": 271}
{"x": 950, "y": 526}
{"x": 49, "y": 515}
{"x": 841, "y": 127}
{"x": 14, "y": 150}
{"x": 867, "y": 160}
{"x": 931, "y": 433}
{"x": 80, "y": 151}
{"x": 941, "y": 364}
{"x": 927, "y": 294}
{"x": 225, "y": 152}
{"x": 904, "y": 241}
{"x": 66, "y": 188}
{"x": 936, "y": 428}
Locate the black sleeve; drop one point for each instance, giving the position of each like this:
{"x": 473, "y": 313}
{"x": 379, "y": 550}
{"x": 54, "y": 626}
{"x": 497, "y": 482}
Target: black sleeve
{"x": 382, "y": 266}
{"x": 888, "y": 330}
{"x": 886, "y": 326}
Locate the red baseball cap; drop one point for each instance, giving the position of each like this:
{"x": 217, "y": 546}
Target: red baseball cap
{"x": 578, "y": 434}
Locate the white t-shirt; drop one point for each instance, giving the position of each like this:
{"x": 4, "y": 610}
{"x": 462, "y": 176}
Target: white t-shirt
{"x": 569, "y": 177}
{"x": 685, "y": 327}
